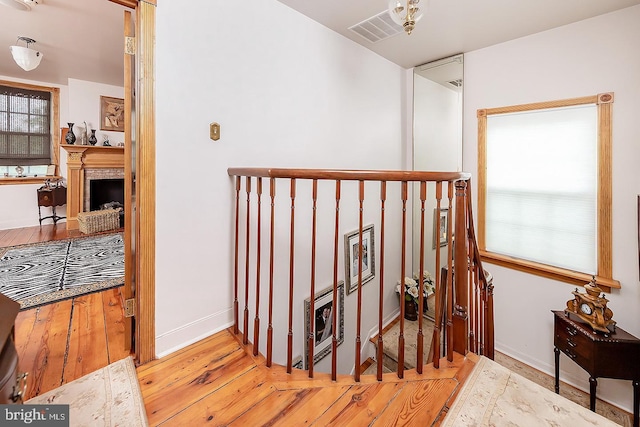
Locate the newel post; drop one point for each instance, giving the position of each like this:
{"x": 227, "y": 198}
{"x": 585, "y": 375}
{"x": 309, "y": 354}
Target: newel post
{"x": 460, "y": 276}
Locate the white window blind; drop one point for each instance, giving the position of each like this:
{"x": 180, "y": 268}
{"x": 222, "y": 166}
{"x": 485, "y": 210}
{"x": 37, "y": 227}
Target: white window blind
{"x": 542, "y": 170}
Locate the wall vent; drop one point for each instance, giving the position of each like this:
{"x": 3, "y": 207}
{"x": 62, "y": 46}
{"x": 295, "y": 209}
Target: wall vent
{"x": 377, "y": 28}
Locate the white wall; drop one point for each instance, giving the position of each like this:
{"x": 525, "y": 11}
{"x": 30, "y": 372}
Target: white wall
{"x": 84, "y": 106}
{"x": 589, "y": 57}
{"x": 79, "y": 101}
{"x": 287, "y": 92}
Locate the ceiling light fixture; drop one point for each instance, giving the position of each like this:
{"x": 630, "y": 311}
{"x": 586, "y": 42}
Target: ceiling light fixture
{"x": 19, "y": 4}
{"x": 405, "y": 15}
{"x": 27, "y": 58}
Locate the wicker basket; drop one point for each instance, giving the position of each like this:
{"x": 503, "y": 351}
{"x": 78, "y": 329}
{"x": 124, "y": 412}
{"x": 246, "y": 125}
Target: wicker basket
{"x": 96, "y": 221}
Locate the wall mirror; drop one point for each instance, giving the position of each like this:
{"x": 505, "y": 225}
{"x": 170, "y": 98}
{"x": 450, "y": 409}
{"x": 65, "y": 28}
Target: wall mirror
{"x": 437, "y": 139}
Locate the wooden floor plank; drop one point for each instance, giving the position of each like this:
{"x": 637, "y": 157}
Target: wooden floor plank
{"x": 87, "y": 347}
{"x": 224, "y": 405}
{"x": 419, "y": 403}
{"x": 42, "y": 351}
{"x": 360, "y": 405}
{"x": 9, "y": 237}
{"x": 114, "y": 324}
{"x": 195, "y": 381}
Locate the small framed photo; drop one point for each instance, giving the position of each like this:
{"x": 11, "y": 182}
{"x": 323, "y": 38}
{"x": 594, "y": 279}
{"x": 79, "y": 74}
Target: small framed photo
{"x": 51, "y": 170}
{"x": 353, "y": 264}
{"x": 111, "y": 114}
{"x": 323, "y": 308}
{"x": 440, "y": 236}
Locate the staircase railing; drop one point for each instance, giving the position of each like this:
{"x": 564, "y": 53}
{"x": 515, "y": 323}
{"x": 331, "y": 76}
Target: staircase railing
{"x": 464, "y": 299}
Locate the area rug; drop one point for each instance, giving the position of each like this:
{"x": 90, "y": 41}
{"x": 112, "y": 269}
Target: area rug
{"x": 42, "y": 273}
{"x": 107, "y": 397}
{"x": 495, "y": 396}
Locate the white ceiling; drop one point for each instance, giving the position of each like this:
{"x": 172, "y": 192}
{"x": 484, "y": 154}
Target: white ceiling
{"x": 82, "y": 39}
{"x": 449, "y": 27}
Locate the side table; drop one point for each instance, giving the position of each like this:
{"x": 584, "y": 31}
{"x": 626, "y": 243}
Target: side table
{"x": 51, "y": 197}
{"x": 612, "y": 355}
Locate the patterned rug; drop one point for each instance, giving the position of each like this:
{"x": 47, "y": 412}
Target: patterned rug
{"x": 42, "y": 273}
{"x": 495, "y": 396}
{"x": 107, "y": 397}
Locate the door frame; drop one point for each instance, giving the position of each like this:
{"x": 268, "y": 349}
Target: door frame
{"x": 143, "y": 268}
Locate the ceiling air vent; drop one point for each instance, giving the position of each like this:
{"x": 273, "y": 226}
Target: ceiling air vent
{"x": 456, "y": 83}
{"x": 376, "y": 28}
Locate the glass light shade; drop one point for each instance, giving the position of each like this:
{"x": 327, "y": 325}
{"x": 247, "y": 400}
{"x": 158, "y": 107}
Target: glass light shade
{"x": 402, "y": 11}
{"x": 27, "y": 58}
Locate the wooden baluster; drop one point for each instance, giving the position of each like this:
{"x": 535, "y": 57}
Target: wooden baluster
{"x": 359, "y": 306}
{"x": 489, "y": 342}
{"x": 291, "y": 264}
{"x": 235, "y": 274}
{"x": 256, "y": 320}
{"x": 245, "y": 332}
{"x": 435, "y": 341}
{"x": 421, "y": 301}
{"x": 460, "y": 312}
{"x": 272, "y": 184}
{"x": 383, "y": 198}
{"x": 450, "y": 271}
{"x": 312, "y": 310}
{"x": 402, "y": 272}
{"x": 470, "y": 292}
{"x": 334, "y": 321}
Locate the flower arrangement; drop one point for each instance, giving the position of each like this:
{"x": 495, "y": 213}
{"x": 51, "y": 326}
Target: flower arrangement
{"x": 411, "y": 289}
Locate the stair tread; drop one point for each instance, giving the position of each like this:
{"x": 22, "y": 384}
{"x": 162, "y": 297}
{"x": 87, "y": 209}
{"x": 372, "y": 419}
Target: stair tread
{"x": 390, "y": 341}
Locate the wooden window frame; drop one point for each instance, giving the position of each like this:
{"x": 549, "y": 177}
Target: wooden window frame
{"x": 604, "y": 275}
{"x": 55, "y": 134}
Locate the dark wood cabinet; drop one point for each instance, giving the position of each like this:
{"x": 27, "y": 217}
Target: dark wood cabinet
{"x": 11, "y": 383}
{"x": 51, "y": 197}
{"x": 614, "y": 355}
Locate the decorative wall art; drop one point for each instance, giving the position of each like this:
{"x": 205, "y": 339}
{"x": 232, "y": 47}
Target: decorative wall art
{"x": 351, "y": 254}
{"x": 441, "y": 235}
{"x": 323, "y": 322}
{"x": 111, "y": 114}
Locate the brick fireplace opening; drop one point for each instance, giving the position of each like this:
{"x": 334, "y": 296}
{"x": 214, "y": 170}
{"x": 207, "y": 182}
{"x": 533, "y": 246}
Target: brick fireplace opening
{"x": 100, "y": 184}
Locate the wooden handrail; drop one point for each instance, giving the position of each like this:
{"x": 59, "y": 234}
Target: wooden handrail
{"x": 464, "y": 307}
{"x": 350, "y": 175}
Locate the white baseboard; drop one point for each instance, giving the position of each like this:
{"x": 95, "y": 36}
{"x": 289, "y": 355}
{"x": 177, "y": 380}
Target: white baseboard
{"x": 176, "y": 339}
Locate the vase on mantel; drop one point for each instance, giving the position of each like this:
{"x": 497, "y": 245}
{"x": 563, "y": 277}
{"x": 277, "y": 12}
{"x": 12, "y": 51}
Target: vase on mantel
{"x": 70, "y": 138}
{"x": 92, "y": 139}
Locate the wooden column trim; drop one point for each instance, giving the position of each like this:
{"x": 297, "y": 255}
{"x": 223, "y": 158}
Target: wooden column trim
{"x": 146, "y": 182}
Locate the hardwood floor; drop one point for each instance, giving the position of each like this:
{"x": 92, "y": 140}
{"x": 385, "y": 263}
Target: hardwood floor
{"x": 218, "y": 382}
{"x": 66, "y": 340}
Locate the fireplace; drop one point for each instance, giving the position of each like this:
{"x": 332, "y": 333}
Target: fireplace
{"x": 87, "y": 163}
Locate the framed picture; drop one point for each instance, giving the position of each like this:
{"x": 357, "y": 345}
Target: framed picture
{"x": 323, "y": 315}
{"x": 441, "y": 235}
{"x": 351, "y": 254}
{"x": 111, "y": 114}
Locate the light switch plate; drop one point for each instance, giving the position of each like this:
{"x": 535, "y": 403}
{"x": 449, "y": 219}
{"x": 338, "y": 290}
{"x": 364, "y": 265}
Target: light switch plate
{"x": 214, "y": 131}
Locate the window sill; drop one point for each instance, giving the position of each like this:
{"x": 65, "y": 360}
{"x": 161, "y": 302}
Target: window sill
{"x": 27, "y": 180}
{"x": 555, "y": 273}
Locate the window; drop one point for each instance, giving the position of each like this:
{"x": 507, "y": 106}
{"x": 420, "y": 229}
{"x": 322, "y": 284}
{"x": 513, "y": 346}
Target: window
{"x": 28, "y": 116}
{"x": 544, "y": 203}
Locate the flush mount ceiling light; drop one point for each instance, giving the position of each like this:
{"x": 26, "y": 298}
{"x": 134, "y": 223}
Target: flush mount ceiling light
{"x": 27, "y": 58}
{"x": 405, "y": 13}
{"x": 20, "y": 4}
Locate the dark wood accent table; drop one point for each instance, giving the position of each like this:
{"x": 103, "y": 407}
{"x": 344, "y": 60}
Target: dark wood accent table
{"x": 614, "y": 355}
{"x": 51, "y": 197}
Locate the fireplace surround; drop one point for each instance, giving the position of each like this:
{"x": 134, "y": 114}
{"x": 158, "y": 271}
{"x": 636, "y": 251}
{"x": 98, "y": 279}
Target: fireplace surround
{"x": 86, "y": 163}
